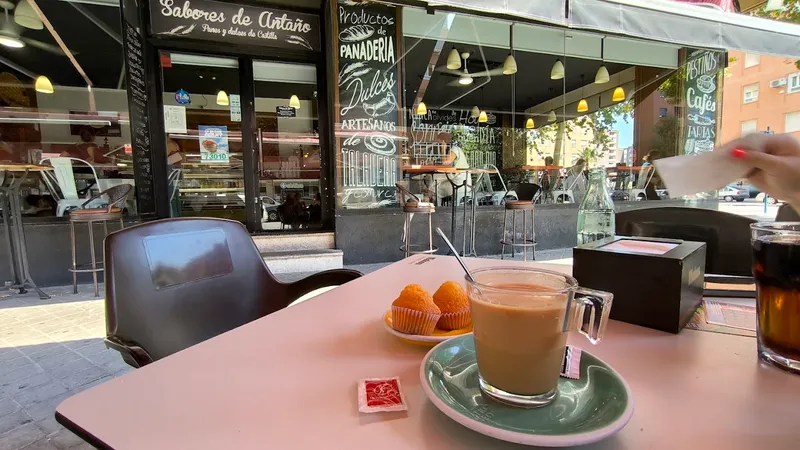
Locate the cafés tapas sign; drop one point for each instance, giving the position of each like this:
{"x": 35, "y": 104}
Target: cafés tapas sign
{"x": 210, "y": 20}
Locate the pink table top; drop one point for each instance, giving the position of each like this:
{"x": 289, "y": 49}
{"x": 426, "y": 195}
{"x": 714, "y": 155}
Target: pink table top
{"x": 289, "y": 381}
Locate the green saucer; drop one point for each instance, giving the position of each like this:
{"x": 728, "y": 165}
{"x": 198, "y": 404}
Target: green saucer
{"x": 587, "y": 410}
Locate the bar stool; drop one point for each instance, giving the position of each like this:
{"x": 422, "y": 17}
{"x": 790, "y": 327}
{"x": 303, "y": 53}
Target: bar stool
{"x": 411, "y": 207}
{"x": 116, "y": 196}
{"x": 526, "y": 192}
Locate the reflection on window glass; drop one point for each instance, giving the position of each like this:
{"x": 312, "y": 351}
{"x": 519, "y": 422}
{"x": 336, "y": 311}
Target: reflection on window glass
{"x": 48, "y": 111}
{"x": 461, "y": 115}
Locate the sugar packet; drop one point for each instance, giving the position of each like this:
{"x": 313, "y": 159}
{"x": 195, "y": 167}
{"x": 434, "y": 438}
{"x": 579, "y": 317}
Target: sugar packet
{"x": 381, "y": 395}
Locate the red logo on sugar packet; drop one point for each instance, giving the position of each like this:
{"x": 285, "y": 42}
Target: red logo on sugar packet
{"x": 380, "y": 395}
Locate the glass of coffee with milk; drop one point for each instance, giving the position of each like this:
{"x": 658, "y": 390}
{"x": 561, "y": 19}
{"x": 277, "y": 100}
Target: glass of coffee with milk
{"x": 521, "y": 317}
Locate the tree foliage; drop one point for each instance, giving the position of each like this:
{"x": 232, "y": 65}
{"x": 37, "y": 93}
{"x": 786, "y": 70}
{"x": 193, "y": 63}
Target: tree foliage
{"x": 789, "y": 13}
{"x": 599, "y": 122}
{"x": 666, "y": 138}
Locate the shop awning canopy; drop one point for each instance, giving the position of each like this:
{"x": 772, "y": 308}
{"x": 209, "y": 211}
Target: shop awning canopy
{"x": 661, "y": 20}
{"x": 689, "y": 25}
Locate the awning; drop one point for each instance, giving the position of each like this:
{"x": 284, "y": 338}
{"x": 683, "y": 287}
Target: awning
{"x": 689, "y": 25}
{"x": 550, "y": 11}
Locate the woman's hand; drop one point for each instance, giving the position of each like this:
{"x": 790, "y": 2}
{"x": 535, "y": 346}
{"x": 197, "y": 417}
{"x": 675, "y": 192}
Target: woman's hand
{"x": 776, "y": 162}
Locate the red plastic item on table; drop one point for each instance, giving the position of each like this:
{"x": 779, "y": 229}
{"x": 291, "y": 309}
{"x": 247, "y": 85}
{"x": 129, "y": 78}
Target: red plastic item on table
{"x": 380, "y": 395}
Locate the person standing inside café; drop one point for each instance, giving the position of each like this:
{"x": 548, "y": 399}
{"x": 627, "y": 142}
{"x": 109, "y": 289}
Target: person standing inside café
{"x": 455, "y": 157}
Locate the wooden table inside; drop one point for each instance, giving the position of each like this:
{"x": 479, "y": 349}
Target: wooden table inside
{"x": 289, "y": 381}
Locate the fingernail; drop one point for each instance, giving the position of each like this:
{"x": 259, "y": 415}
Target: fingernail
{"x": 738, "y": 153}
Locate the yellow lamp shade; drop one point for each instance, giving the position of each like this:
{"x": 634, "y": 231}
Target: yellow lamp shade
{"x": 475, "y": 113}
{"x": 583, "y": 106}
{"x": 618, "y": 95}
{"x": 422, "y": 109}
{"x": 294, "y": 102}
{"x": 510, "y": 65}
{"x": 529, "y": 123}
{"x": 482, "y": 117}
{"x": 222, "y": 98}
{"x": 551, "y": 116}
{"x": 453, "y": 60}
{"x": 43, "y": 85}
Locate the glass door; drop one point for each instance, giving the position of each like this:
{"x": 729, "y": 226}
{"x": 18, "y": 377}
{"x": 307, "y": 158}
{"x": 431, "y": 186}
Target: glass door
{"x": 202, "y": 120}
{"x": 287, "y": 145}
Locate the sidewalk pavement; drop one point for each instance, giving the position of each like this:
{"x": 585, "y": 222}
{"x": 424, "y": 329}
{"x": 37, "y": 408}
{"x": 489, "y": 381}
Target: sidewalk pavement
{"x": 53, "y": 349}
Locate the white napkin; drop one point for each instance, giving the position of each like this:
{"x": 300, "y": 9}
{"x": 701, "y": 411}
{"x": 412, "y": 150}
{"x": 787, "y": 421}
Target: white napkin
{"x": 687, "y": 175}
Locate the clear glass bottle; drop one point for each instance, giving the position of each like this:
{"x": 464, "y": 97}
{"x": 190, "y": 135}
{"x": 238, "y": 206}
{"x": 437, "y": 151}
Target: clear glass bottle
{"x": 596, "y": 212}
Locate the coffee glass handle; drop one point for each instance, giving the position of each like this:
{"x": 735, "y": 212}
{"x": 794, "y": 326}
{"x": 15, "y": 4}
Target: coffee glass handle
{"x": 591, "y": 310}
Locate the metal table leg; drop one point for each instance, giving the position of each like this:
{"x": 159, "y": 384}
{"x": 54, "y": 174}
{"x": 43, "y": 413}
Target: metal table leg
{"x": 475, "y": 185}
{"x": 16, "y": 236}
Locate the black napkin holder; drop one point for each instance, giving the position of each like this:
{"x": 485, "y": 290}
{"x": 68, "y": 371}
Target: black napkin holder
{"x": 655, "y": 291}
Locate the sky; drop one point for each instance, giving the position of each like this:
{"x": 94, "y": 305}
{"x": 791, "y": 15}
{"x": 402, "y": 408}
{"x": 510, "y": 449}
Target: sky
{"x": 625, "y": 132}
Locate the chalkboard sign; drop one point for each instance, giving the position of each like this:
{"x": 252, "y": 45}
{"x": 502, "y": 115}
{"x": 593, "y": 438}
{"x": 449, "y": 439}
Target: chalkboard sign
{"x": 209, "y": 20}
{"x": 285, "y": 111}
{"x": 135, "y": 75}
{"x": 700, "y": 90}
{"x": 368, "y": 109}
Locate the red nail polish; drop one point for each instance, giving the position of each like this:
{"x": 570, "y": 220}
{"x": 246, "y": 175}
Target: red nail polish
{"x": 738, "y": 153}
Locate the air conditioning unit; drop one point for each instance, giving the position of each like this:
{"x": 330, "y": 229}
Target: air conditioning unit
{"x": 777, "y": 83}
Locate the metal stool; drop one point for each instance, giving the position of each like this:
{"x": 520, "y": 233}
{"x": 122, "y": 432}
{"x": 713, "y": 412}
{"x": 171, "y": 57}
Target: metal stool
{"x": 116, "y": 196}
{"x": 416, "y": 206}
{"x": 523, "y": 207}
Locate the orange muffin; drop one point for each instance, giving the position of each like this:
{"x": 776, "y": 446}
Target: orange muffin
{"x": 414, "y": 311}
{"x": 453, "y": 301}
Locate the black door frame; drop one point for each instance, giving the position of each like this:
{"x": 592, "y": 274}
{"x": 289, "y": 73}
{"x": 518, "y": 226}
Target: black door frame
{"x": 245, "y": 56}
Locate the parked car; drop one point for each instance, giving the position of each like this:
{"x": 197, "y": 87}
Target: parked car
{"x": 771, "y": 201}
{"x": 269, "y": 208}
{"x": 620, "y": 195}
{"x": 731, "y": 192}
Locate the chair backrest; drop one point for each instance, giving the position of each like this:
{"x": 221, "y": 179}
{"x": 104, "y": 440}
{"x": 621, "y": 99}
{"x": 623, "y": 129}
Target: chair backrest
{"x": 64, "y": 175}
{"x": 787, "y": 214}
{"x": 645, "y": 175}
{"x": 727, "y": 236}
{"x": 526, "y": 191}
{"x": 173, "y": 283}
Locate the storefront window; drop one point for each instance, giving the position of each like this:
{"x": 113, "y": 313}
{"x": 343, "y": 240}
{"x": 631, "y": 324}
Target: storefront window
{"x": 573, "y": 100}
{"x": 53, "y": 106}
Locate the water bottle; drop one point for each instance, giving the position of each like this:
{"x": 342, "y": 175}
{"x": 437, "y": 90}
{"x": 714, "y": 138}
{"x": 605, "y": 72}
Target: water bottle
{"x": 596, "y": 213}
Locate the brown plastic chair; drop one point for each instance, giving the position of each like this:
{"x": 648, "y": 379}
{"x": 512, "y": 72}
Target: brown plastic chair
{"x": 727, "y": 236}
{"x": 413, "y": 205}
{"x": 173, "y": 283}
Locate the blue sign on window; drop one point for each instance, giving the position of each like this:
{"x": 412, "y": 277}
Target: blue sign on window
{"x": 182, "y": 97}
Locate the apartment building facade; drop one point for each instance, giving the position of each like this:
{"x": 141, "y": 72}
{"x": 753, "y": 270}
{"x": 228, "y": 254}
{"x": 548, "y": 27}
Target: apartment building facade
{"x": 760, "y": 93}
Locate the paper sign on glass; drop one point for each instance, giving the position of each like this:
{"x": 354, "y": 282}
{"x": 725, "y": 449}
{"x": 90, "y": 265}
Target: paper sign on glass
{"x": 213, "y": 144}
{"x": 174, "y": 119}
{"x": 687, "y": 175}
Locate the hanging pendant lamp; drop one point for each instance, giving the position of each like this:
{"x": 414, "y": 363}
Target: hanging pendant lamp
{"x": 510, "y": 64}
{"x": 43, "y": 85}
{"x": 551, "y": 116}
{"x": 618, "y": 95}
{"x": 454, "y": 59}
{"x": 25, "y": 16}
{"x": 294, "y": 102}
{"x": 583, "y": 106}
{"x": 557, "y": 72}
{"x": 475, "y": 113}
{"x": 422, "y": 109}
{"x": 529, "y": 123}
{"x": 482, "y": 117}
{"x": 222, "y": 98}
{"x": 602, "y": 73}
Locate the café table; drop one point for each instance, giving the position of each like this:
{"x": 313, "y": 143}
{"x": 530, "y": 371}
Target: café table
{"x": 288, "y": 381}
{"x": 14, "y": 175}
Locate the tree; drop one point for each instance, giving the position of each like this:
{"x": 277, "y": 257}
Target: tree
{"x": 789, "y": 13}
{"x": 666, "y": 135}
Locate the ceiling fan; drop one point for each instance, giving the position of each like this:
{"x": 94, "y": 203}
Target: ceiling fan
{"x": 11, "y": 32}
{"x": 465, "y": 78}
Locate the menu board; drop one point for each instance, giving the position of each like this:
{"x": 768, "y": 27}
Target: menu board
{"x": 210, "y": 20}
{"x": 368, "y": 108}
{"x": 135, "y": 75}
{"x": 700, "y": 88}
